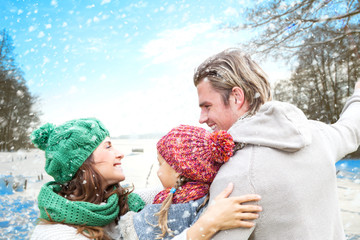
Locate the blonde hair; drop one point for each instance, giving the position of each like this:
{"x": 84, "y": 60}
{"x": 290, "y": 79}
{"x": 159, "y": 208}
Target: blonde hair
{"x": 233, "y": 68}
{"x": 163, "y": 213}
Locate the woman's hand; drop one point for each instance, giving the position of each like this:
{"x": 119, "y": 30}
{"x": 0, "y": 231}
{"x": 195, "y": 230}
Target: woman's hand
{"x": 225, "y": 213}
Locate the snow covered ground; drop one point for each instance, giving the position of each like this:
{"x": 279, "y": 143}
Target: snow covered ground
{"x": 25, "y": 169}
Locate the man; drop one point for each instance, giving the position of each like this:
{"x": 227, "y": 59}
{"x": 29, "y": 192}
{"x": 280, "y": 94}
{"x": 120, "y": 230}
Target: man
{"x": 282, "y": 156}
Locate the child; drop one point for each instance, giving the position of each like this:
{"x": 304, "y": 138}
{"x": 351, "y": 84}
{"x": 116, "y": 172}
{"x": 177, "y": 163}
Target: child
{"x": 189, "y": 159}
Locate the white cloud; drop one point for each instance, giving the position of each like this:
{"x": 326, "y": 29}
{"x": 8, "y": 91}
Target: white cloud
{"x": 105, "y": 2}
{"x": 45, "y": 60}
{"x": 103, "y": 77}
{"x": 73, "y": 90}
{"x": 231, "y": 12}
{"x": 41, "y": 34}
{"x": 171, "y": 9}
{"x": 172, "y": 43}
{"x": 32, "y": 28}
{"x": 54, "y": 3}
{"x": 82, "y": 79}
{"x": 140, "y": 4}
{"x": 189, "y": 45}
{"x": 93, "y": 49}
{"x": 171, "y": 101}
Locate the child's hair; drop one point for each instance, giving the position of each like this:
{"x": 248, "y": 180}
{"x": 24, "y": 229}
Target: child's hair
{"x": 196, "y": 155}
{"x": 88, "y": 186}
{"x": 163, "y": 213}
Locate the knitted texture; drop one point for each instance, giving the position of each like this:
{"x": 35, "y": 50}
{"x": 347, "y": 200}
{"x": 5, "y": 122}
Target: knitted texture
{"x": 135, "y": 202}
{"x": 63, "y": 210}
{"x": 68, "y": 146}
{"x": 196, "y": 154}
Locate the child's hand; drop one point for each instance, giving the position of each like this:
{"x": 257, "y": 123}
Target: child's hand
{"x": 357, "y": 84}
{"x": 225, "y": 213}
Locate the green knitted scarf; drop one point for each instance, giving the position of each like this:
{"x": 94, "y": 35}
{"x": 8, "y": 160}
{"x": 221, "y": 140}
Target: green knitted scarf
{"x": 63, "y": 210}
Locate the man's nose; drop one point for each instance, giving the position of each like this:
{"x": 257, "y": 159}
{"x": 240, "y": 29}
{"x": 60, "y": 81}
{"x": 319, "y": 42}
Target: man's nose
{"x": 203, "y": 117}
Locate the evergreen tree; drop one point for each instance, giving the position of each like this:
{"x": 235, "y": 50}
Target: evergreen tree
{"x": 17, "y": 114}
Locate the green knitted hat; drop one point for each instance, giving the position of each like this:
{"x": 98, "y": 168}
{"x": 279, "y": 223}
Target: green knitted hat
{"x": 67, "y": 146}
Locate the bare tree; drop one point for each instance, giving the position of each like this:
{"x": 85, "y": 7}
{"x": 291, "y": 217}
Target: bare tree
{"x": 322, "y": 37}
{"x": 324, "y": 77}
{"x": 17, "y": 114}
{"x": 283, "y": 27}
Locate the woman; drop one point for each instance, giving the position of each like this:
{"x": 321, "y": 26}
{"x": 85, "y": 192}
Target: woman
{"x": 85, "y": 195}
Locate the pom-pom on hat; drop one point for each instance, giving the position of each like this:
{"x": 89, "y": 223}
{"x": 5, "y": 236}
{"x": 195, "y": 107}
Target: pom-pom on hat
{"x": 67, "y": 146}
{"x": 196, "y": 153}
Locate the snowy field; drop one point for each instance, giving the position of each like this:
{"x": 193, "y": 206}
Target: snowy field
{"x": 22, "y": 174}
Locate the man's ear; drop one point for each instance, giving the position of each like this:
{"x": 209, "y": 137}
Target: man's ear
{"x": 239, "y": 96}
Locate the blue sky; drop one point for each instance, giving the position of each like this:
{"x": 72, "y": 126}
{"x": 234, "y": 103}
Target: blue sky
{"x": 128, "y": 63}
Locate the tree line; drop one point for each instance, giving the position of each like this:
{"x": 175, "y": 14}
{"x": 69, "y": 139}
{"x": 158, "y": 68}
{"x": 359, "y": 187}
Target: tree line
{"x": 18, "y": 115}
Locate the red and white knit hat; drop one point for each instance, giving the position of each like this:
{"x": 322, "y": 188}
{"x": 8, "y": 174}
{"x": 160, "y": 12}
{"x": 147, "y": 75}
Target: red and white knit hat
{"x": 196, "y": 153}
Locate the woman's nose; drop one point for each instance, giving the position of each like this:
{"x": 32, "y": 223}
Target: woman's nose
{"x": 119, "y": 154}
